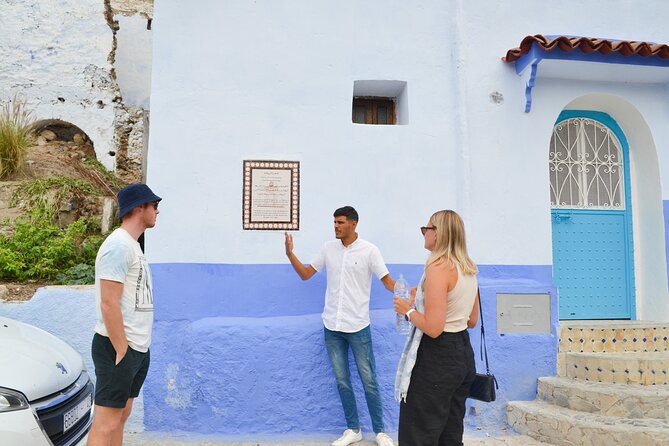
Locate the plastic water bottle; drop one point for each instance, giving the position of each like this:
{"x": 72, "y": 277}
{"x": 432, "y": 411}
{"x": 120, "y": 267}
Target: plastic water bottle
{"x": 402, "y": 291}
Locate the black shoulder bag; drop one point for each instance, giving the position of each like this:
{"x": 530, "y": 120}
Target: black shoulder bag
{"x": 483, "y": 387}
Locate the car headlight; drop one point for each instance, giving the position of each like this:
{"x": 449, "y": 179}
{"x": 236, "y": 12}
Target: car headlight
{"x": 11, "y": 400}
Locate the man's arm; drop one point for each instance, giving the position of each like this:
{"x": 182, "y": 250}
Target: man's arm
{"x": 305, "y": 272}
{"x": 378, "y": 267}
{"x": 388, "y": 282}
{"x": 110, "y": 304}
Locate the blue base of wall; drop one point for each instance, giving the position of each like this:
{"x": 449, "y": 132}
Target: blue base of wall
{"x": 238, "y": 350}
{"x": 219, "y": 370}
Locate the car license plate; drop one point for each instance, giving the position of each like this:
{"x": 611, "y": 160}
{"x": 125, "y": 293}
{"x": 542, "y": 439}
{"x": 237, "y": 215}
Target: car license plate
{"x": 76, "y": 413}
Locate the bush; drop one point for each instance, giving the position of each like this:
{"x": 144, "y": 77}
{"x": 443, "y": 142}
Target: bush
{"x": 43, "y": 197}
{"x": 80, "y": 274}
{"x": 15, "y": 136}
{"x": 38, "y": 249}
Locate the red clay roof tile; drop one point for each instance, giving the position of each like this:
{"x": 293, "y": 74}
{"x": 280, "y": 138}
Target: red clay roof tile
{"x": 588, "y": 45}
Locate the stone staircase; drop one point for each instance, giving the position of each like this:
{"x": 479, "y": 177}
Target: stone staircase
{"x": 612, "y": 387}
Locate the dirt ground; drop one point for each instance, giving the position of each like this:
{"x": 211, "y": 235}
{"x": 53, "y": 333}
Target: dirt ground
{"x": 20, "y": 292}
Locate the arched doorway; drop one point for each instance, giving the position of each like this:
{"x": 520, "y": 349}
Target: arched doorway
{"x": 591, "y": 209}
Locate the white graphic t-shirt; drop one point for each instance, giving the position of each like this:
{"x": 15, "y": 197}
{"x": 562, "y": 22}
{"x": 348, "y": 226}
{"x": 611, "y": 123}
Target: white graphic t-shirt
{"x": 120, "y": 259}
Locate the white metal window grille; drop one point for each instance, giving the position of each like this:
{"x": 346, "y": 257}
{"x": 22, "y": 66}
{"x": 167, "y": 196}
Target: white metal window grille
{"x": 586, "y": 166}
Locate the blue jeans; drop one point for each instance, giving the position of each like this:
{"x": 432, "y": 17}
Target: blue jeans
{"x": 337, "y": 343}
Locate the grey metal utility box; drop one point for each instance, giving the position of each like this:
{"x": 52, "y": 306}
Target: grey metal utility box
{"x": 523, "y": 313}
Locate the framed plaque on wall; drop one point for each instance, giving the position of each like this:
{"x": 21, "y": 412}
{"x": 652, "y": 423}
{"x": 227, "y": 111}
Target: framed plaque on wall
{"x": 271, "y": 195}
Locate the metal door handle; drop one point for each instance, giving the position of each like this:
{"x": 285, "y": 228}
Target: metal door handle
{"x": 559, "y": 218}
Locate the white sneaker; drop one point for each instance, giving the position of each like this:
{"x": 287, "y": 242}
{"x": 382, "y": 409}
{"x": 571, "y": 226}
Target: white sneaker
{"x": 384, "y": 440}
{"x": 350, "y": 436}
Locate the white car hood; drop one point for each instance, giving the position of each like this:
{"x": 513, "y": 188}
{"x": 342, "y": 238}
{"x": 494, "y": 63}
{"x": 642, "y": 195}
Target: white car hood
{"x": 35, "y": 362}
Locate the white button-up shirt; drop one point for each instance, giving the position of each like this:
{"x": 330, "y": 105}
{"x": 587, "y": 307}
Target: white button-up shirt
{"x": 349, "y": 282}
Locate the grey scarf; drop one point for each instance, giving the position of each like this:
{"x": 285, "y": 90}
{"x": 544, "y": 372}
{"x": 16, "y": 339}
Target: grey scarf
{"x": 408, "y": 358}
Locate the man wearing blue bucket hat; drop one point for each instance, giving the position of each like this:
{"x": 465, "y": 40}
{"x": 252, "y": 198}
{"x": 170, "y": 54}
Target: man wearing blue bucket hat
{"x": 124, "y": 302}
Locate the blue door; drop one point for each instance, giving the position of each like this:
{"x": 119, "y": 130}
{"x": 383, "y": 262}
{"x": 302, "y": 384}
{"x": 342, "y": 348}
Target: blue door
{"x": 593, "y": 265}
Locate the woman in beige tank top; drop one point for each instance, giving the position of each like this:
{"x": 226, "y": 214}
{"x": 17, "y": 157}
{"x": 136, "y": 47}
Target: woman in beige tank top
{"x": 437, "y": 365}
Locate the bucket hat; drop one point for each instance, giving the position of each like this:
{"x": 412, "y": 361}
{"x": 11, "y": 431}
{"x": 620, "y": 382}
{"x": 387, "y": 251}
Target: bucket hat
{"x": 134, "y": 195}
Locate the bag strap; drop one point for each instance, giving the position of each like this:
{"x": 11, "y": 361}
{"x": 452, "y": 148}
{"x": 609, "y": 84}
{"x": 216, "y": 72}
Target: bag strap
{"x": 484, "y": 349}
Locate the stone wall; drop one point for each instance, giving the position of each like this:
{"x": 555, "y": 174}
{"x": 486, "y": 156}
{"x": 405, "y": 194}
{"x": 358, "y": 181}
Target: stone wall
{"x": 132, "y": 7}
{"x": 62, "y": 57}
{"x": 57, "y": 55}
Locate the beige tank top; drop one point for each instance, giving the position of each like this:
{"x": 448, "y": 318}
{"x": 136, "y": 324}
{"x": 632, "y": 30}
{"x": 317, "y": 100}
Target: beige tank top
{"x": 460, "y": 302}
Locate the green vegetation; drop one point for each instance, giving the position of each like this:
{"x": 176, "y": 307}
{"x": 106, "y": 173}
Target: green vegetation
{"x": 15, "y": 136}
{"x": 104, "y": 174}
{"x": 38, "y": 247}
{"x": 79, "y": 274}
{"x": 44, "y": 197}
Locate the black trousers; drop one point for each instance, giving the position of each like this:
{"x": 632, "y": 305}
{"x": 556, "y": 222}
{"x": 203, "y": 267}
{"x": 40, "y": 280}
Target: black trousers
{"x": 434, "y": 411}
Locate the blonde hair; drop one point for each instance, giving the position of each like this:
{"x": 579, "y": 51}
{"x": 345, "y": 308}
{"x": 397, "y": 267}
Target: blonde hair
{"x": 451, "y": 244}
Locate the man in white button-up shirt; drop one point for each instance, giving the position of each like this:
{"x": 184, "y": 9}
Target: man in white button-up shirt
{"x": 350, "y": 262}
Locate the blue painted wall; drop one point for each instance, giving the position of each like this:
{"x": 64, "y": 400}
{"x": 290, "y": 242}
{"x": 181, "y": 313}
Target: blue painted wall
{"x": 516, "y": 360}
{"x": 219, "y": 369}
{"x": 226, "y": 361}
{"x": 238, "y": 350}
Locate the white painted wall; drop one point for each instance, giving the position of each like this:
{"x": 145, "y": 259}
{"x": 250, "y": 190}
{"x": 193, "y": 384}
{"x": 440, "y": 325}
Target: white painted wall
{"x": 509, "y": 149}
{"x": 133, "y": 60}
{"x": 267, "y": 82}
{"x": 58, "y": 49}
{"x": 263, "y": 81}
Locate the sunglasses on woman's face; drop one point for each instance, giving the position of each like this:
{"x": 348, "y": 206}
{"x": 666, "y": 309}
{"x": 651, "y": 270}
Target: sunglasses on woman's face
{"x": 423, "y": 229}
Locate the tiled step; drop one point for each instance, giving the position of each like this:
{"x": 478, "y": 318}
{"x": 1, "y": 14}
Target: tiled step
{"x": 613, "y": 336}
{"x": 624, "y": 368}
{"x": 610, "y": 399}
{"x": 565, "y": 427}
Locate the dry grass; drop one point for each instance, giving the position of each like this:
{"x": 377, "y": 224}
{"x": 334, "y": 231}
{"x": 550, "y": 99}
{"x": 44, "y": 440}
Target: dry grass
{"x": 16, "y": 136}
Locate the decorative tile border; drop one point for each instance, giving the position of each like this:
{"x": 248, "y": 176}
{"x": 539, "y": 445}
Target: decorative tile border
{"x": 618, "y": 339}
{"x": 280, "y": 196}
{"x": 636, "y": 368}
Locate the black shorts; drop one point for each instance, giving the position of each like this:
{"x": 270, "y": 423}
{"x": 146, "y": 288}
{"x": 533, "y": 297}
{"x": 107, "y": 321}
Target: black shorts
{"x": 116, "y": 383}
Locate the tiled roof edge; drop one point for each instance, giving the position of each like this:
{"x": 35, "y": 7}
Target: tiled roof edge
{"x": 588, "y": 45}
